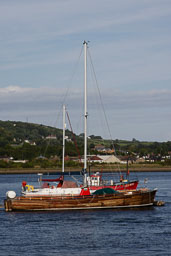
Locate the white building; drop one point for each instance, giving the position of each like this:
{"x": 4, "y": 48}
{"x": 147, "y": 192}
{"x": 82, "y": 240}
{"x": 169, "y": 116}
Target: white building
{"x": 104, "y": 159}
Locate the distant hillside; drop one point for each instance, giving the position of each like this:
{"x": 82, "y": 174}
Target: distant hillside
{"x": 27, "y": 140}
{"x": 22, "y": 140}
{"x": 13, "y": 131}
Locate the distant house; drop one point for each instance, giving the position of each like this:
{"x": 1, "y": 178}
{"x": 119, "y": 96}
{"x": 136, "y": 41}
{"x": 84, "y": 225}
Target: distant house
{"x": 99, "y": 148}
{"x": 51, "y": 137}
{"x": 109, "y": 150}
{"x": 104, "y": 159}
{"x": 20, "y": 161}
{"x": 110, "y": 159}
{"x": 140, "y": 160}
{"x": 75, "y": 159}
{"x": 10, "y": 159}
{"x": 68, "y": 139}
{"x": 30, "y": 142}
{"x": 102, "y": 148}
{"x": 5, "y": 159}
{"x": 95, "y": 159}
{"x": 124, "y": 159}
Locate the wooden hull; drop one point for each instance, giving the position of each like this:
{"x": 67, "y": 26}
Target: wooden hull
{"x": 122, "y": 200}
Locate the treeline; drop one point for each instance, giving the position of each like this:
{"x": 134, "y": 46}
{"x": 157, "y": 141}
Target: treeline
{"x": 39, "y": 164}
{"x": 143, "y": 148}
{"x": 20, "y": 140}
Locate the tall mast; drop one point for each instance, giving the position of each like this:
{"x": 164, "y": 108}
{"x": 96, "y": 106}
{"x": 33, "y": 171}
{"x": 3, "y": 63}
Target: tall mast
{"x": 85, "y": 112}
{"x": 63, "y": 144}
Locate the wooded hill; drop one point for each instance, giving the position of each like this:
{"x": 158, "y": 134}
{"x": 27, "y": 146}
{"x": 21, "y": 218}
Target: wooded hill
{"x": 21, "y": 140}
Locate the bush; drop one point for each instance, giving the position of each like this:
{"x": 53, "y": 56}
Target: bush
{"x": 3, "y": 164}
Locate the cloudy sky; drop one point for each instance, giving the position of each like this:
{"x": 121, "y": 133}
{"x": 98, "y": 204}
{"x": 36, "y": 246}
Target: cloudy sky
{"x": 41, "y": 65}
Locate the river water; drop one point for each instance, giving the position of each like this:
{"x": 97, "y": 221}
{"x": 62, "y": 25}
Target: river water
{"x": 145, "y": 231}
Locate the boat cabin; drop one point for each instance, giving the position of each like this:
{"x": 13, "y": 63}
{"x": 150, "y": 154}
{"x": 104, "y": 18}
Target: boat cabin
{"x": 94, "y": 179}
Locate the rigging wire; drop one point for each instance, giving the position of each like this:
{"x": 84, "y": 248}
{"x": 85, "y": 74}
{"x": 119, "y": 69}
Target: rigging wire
{"x": 98, "y": 89}
{"x": 65, "y": 95}
{"x": 73, "y": 135}
{"x": 72, "y": 76}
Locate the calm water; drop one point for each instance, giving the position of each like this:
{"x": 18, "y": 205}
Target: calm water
{"x": 102, "y": 232}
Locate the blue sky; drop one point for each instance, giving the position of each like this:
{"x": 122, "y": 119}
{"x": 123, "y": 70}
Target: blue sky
{"x": 130, "y": 45}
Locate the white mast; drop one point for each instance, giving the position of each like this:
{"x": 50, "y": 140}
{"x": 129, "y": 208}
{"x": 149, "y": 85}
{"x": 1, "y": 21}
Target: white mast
{"x": 63, "y": 144}
{"x": 85, "y": 113}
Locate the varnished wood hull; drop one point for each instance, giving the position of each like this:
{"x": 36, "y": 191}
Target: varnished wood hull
{"x": 122, "y": 200}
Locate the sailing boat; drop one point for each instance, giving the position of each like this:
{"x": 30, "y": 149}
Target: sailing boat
{"x": 65, "y": 198}
{"x": 59, "y": 186}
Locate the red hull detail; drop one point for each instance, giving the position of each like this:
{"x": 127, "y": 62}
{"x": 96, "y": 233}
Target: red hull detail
{"x": 85, "y": 192}
{"x": 128, "y": 186}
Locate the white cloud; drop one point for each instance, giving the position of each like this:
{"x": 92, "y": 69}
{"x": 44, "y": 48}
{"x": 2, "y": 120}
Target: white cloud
{"x": 120, "y": 100}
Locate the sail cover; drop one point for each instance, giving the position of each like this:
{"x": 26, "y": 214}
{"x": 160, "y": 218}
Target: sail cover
{"x": 104, "y": 191}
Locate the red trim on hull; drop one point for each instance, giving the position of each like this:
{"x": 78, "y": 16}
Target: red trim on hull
{"x": 128, "y": 186}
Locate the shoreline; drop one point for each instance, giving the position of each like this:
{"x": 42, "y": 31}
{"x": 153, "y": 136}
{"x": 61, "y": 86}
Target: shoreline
{"x": 77, "y": 170}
